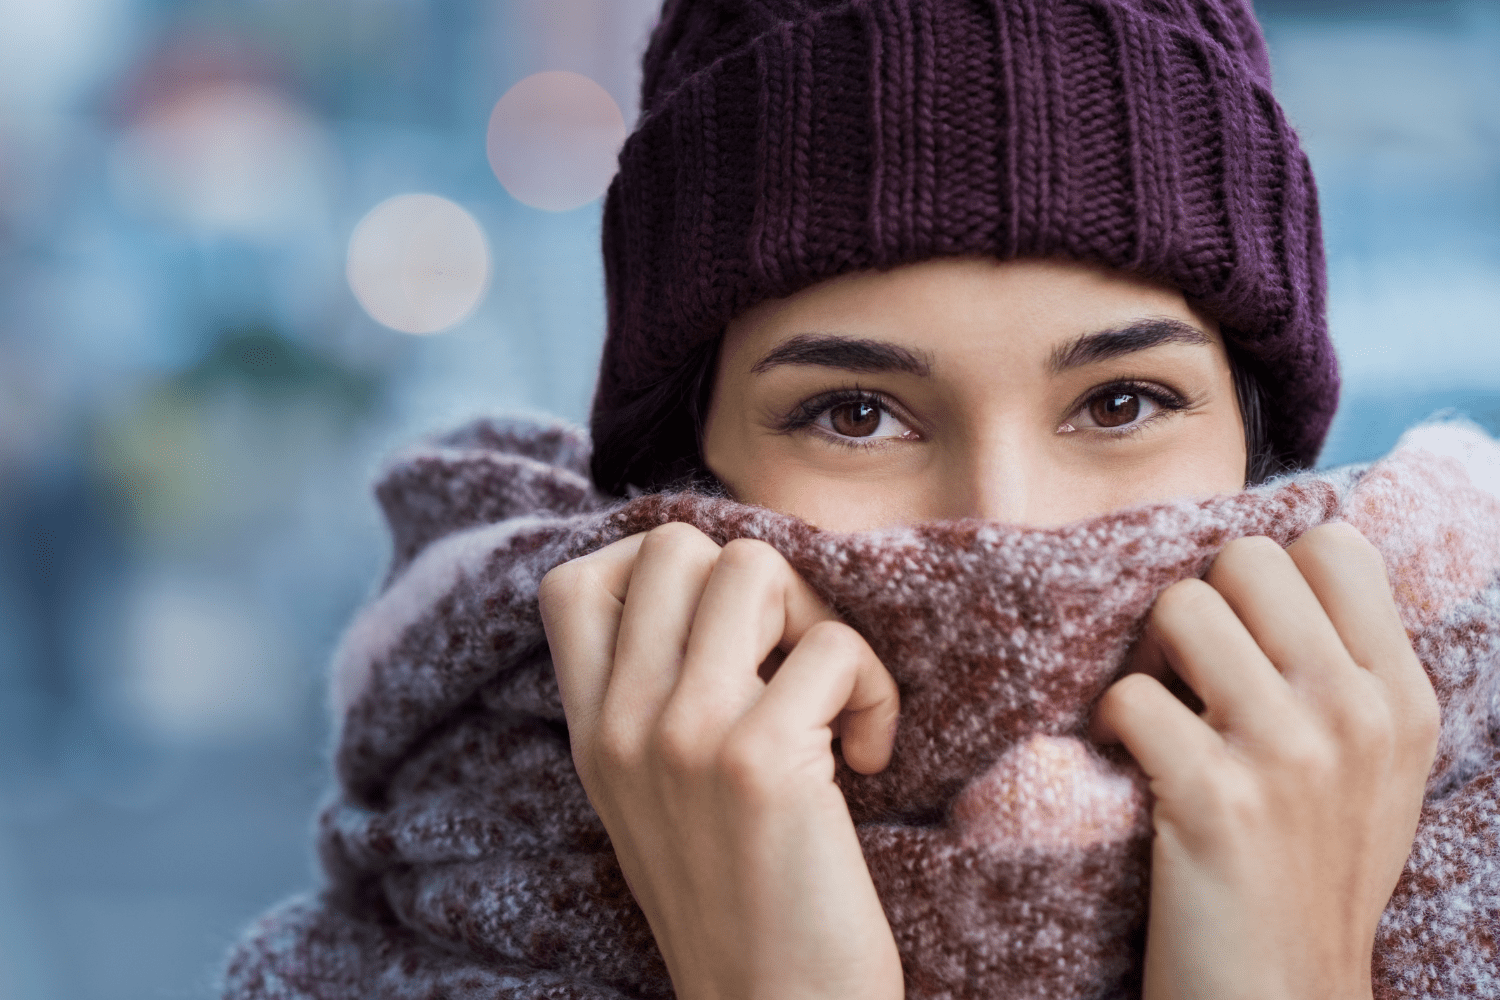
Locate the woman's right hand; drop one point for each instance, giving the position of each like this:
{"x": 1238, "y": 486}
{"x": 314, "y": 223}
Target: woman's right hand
{"x": 717, "y": 786}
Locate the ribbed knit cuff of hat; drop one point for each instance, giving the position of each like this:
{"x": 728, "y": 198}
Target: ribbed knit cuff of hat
{"x": 782, "y": 143}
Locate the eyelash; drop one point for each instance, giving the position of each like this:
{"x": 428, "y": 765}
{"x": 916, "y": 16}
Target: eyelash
{"x": 807, "y": 412}
{"x": 1167, "y": 401}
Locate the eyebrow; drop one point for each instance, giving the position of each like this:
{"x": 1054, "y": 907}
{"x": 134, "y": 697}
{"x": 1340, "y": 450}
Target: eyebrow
{"x": 829, "y": 350}
{"x": 856, "y": 354}
{"x": 1106, "y": 344}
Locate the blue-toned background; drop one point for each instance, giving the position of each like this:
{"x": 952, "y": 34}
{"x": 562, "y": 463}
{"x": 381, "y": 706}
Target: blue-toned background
{"x": 192, "y": 400}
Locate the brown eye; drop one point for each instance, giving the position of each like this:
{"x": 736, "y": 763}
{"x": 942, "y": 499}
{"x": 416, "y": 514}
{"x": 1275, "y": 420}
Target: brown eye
{"x": 1115, "y": 409}
{"x": 855, "y": 419}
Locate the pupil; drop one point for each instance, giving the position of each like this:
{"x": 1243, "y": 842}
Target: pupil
{"x": 856, "y": 419}
{"x": 1115, "y": 409}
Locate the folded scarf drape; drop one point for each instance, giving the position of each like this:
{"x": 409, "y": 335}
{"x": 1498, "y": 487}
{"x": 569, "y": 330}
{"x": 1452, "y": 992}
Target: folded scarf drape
{"x": 462, "y": 859}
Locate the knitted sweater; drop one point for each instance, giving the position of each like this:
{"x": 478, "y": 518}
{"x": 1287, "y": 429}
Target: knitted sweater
{"x": 462, "y": 859}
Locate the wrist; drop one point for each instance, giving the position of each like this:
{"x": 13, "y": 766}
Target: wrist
{"x": 1266, "y": 982}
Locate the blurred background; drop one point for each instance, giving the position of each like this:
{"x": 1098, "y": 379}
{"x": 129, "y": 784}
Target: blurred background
{"x": 247, "y": 246}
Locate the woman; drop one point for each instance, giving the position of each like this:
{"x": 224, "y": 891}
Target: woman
{"x": 875, "y": 263}
{"x": 1013, "y": 385}
{"x": 1032, "y": 392}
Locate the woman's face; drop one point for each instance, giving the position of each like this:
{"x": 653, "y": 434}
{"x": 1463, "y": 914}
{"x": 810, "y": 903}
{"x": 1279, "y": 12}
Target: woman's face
{"x": 1028, "y": 391}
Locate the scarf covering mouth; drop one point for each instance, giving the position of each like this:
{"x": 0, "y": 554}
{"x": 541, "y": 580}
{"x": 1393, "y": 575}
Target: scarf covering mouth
{"x": 462, "y": 860}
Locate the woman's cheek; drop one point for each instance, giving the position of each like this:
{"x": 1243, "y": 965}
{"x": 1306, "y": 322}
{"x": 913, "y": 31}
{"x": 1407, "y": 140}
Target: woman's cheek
{"x": 860, "y": 497}
{"x": 1178, "y": 474}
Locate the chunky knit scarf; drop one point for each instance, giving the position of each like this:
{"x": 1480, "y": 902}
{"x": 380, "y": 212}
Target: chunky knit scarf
{"x": 462, "y": 859}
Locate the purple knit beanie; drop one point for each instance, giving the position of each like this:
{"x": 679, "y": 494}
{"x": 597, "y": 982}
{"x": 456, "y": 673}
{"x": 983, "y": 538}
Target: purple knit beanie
{"x": 782, "y": 142}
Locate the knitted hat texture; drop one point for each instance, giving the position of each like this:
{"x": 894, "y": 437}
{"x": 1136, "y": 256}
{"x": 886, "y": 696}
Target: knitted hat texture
{"x": 783, "y": 142}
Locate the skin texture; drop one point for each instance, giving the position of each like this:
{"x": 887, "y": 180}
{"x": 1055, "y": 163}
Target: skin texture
{"x": 978, "y": 436}
{"x": 1283, "y": 813}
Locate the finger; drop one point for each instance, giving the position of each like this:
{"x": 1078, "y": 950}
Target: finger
{"x": 1193, "y": 630}
{"x": 831, "y": 675}
{"x": 1347, "y": 574}
{"x": 581, "y": 603}
{"x": 670, "y": 570}
{"x": 1161, "y": 733}
{"x": 754, "y": 602}
{"x": 1267, "y": 591}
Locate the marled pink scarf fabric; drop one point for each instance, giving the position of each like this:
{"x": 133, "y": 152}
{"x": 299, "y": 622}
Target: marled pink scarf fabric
{"x": 463, "y": 861}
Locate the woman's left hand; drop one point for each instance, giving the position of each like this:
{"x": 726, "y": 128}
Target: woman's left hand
{"x": 1285, "y": 813}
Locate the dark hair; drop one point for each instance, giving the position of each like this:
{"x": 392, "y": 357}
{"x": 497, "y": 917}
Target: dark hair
{"x": 1263, "y": 460}
{"x": 655, "y": 442}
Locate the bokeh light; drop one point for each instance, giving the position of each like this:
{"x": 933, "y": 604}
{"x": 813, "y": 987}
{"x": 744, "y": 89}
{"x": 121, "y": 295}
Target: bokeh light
{"x": 554, "y": 139}
{"x": 191, "y": 400}
{"x": 50, "y": 49}
{"x": 203, "y": 663}
{"x": 230, "y": 157}
{"x": 418, "y": 263}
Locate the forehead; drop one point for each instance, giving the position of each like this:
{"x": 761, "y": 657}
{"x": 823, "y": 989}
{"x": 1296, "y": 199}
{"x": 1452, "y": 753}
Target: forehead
{"x": 1010, "y": 310}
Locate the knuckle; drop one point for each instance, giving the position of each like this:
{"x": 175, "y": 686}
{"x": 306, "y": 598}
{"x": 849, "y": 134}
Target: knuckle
{"x": 1225, "y": 802}
{"x": 1427, "y": 725}
{"x": 560, "y": 583}
{"x": 567, "y": 594}
{"x": 836, "y": 640}
{"x": 1251, "y": 547}
{"x": 752, "y": 554}
{"x": 583, "y": 763}
{"x": 1340, "y": 545}
{"x": 1308, "y": 756}
{"x": 1186, "y": 599}
{"x": 744, "y": 764}
{"x": 595, "y": 781}
{"x": 677, "y": 745}
{"x": 676, "y": 538}
{"x": 1238, "y": 803}
{"x": 614, "y": 747}
{"x": 1337, "y": 535}
{"x": 1129, "y": 691}
{"x": 1368, "y": 727}
{"x": 1422, "y": 720}
{"x": 1245, "y": 555}
{"x": 1368, "y": 736}
{"x": 1221, "y": 789}
{"x": 1127, "y": 701}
